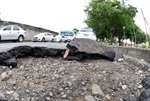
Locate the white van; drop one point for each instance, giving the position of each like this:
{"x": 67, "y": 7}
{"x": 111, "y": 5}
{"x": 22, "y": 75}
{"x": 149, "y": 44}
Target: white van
{"x": 86, "y": 33}
{"x": 64, "y": 36}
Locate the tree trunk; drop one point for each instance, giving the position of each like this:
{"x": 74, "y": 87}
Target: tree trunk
{"x": 119, "y": 41}
{"x": 111, "y": 35}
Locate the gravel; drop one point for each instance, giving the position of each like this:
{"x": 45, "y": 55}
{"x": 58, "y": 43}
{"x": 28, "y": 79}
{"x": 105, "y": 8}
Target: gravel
{"x": 56, "y": 79}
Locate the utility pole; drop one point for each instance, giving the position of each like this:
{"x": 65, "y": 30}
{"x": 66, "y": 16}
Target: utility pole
{"x": 134, "y": 34}
{"x": 0, "y": 16}
{"x": 145, "y": 22}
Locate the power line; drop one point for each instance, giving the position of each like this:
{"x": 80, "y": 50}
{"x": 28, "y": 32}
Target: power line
{"x": 146, "y": 23}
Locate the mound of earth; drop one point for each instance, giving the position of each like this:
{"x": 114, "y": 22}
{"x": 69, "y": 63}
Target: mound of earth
{"x": 55, "y": 79}
{"x": 42, "y": 74}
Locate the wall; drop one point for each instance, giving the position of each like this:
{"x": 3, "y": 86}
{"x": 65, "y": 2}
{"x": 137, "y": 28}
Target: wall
{"x": 134, "y": 52}
{"x": 31, "y": 30}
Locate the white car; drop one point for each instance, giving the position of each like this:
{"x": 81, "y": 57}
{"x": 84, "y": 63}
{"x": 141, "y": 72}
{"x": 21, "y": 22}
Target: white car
{"x": 86, "y": 33}
{"x": 64, "y": 36}
{"x": 13, "y": 33}
{"x": 59, "y": 38}
{"x": 68, "y": 34}
{"x": 43, "y": 37}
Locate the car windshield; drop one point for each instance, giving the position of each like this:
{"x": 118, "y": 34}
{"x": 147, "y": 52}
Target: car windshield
{"x": 41, "y": 34}
{"x": 86, "y": 30}
{"x": 66, "y": 34}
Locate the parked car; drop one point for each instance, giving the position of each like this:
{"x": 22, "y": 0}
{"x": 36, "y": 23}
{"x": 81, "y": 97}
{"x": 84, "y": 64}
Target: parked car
{"x": 64, "y": 36}
{"x": 12, "y": 33}
{"x": 59, "y": 38}
{"x": 43, "y": 37}
{"x": 86, "y": 33}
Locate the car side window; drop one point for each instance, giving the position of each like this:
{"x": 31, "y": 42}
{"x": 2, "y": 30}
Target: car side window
{"x": 62, "y": 33}
{"x": 70, "y": 34}
{"x": 49, "y": 34}
{"x": 8, "y": 28}
{"x": 15, "y": 28}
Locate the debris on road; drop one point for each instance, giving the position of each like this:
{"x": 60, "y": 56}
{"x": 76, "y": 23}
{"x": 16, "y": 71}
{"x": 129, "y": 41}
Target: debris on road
{"x": 78, "y": 49}
{"x": 43, "y": 74}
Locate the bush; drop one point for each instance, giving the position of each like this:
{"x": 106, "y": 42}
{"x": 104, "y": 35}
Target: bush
{"x": 143, "y": 46}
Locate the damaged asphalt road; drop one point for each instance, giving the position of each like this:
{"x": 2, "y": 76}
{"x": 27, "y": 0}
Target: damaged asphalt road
{"x": 78, "y": 49}
{"x": 7, "y": 46}
{"x": 43, "y": 74}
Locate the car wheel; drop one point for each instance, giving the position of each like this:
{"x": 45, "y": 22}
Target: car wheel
{"x": 14, "y": 40}
{"x": 43, "y": 39}
{"x": 65, "y": 41}
{"x": 52, "y": 40}
{"x": 60, "y": 41}
{"x": 20, "y": 39}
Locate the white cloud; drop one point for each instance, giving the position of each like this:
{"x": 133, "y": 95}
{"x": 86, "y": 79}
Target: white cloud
{"x": 58, "y": 14}
{"x": 51, "y": 14}
{"x": 144, "y": 5}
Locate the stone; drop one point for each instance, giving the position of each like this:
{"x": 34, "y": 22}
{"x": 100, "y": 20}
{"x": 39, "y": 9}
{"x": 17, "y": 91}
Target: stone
{"x": 140, "y": 71}
{"x": 12, "y": 81}
{"x": 27, "y": 91}
{"x": 10, "y": 92}
{"x": 69, "y": 84}
{"x": 10, "y": 73}
{"x": 118, "y": 56}
{"x": 109, "y": 55}
{"x": 78, "y": 49}
{"x": 128, "y": 97}
{"x": 89, "y": 98}
{"x": 22, "y": 66}
{"x": 11, "y": 62}
{"x": 22, "y": 99}
{"x": 50, "y": 94}
{"x": 124, "y": 87}
{"x": 146, "y": 82}
{"x": 145, "y": 95}
{"x": 140, "y": 86}
{"x": 15, "y": 95}
{"x": 4, "y": 76}
{"x": 148, "y": 69}
{"x": 2, "y": 96}
{"x": 48, "y": 98}
{"x": 96, "y": 90}
{"x": 85, "y": 45}
{"x": 107, "y": 97}
{"x": 64, "y": 96}
{"x": 4, "y": 67}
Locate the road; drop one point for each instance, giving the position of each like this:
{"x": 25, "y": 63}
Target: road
{"x": 6, "y": 46}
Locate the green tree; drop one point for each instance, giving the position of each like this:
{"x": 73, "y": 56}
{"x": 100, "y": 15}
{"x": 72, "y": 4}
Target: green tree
{"x": 75, "y": 30}
{"x": 140, "y": 35}
{"x": 108, "y": 17}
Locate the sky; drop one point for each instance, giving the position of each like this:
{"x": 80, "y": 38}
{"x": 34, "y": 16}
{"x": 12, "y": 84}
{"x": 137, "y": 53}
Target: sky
{"x": 145, "y": 6}
{"x": 58, "y": 15}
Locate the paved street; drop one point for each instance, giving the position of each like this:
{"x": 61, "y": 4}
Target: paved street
{"x": 7, "y": 46}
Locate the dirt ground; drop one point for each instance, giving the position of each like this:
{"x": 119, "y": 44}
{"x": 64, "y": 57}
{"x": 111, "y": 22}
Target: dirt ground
{"x": 56, "y": 79}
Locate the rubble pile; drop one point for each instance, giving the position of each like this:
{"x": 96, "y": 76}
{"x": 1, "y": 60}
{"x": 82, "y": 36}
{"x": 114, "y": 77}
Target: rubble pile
{"x": 145, "y": 95}
{"x": 43, "y": 74}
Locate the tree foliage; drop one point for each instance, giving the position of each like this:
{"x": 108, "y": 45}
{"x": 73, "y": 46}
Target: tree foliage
{"x": 108, "y": 17}
{"x": 75, "y": 30}
{"x": 140, "y": 35}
